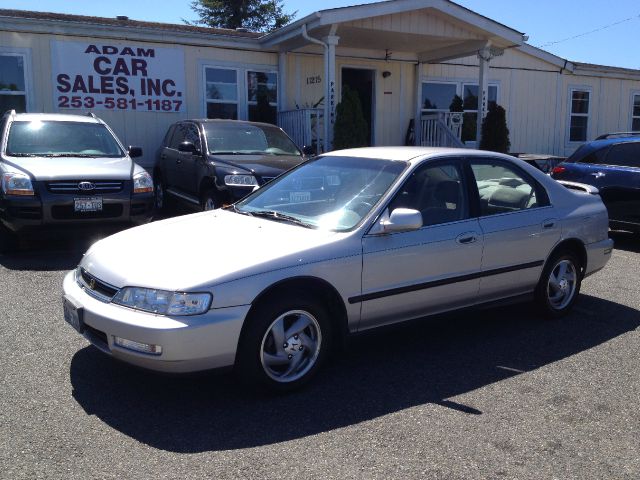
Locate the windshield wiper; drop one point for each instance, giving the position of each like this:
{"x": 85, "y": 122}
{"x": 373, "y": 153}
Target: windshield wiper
{"x": 9, "y": 154}
{"x": 272, "y": 214}
{"x": 80, "y": 155}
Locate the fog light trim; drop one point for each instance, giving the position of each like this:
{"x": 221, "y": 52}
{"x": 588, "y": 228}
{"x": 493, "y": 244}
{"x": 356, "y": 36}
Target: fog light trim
{"x": 148, "y": 348}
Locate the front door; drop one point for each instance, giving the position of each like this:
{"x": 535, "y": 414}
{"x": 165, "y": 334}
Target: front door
{"x": 435, "y": 268}
{"x": 361, "y": 81}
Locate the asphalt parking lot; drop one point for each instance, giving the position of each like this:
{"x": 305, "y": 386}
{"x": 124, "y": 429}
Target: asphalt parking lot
{"x": 491, "y": 394}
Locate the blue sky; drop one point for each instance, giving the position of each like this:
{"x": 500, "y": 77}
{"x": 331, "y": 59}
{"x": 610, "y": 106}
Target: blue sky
{"x": 543, "y": 20}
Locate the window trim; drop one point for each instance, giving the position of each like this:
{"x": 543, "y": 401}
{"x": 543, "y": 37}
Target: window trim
{"x": 570, "y": 114}
{"x": 29, "y": 92}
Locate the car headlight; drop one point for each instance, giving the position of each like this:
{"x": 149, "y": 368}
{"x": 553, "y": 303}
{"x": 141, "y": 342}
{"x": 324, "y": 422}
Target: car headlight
{"x": 142, "y": 183}
{"x": 163, "y": 302}
{"x": 240, "y": 180}
{"x": 17, "y": 184}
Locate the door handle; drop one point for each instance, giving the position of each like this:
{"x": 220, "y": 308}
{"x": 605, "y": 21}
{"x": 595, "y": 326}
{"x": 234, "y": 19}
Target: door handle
{"x": 549, "y": 223}
{"x": 178, "y": 161}
{"x": 466, "y": 238}
{"x": 163, "y": 156}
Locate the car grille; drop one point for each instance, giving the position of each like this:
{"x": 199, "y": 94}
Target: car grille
{"x": 72, "y": 186}
{"x": 66, "y": 212}
{"x": 95, "y": 287}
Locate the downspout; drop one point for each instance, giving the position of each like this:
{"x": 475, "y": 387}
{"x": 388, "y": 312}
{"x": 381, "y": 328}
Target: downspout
{"x": 327, "y": 112}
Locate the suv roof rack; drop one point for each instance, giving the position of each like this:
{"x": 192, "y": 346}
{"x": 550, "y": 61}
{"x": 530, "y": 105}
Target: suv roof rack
{"x": 606, "y": 136}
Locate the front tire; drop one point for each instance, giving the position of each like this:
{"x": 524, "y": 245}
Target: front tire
{"x": 559, "y": 285}
{"x": 209, "y": 200}
{"x": 284, "y": 343}
{"x": 8, "y": 240}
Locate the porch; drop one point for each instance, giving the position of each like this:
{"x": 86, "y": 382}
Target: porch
{"x": 403, "y": 32}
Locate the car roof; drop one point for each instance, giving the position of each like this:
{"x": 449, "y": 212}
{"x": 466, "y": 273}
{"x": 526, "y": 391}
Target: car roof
{"x": 53, "y": 117}
{"x": 412, "y": 153}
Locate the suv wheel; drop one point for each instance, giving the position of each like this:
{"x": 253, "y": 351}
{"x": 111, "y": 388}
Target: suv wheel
{"x": 285, "y": 342}
{"x": 209, "y": 200}
{"x": 159, "y": 193}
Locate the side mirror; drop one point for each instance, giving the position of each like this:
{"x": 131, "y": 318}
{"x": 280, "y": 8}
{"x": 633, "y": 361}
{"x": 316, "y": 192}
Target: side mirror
{"x": 308, "y": 150}
{"x": 400, "y": 220}
{"x": 134, "y": 152}
{"x": 188, "y": 147}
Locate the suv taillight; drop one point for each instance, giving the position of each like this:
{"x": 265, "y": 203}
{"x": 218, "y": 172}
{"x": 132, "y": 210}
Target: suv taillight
{"x": 557, "y": 170}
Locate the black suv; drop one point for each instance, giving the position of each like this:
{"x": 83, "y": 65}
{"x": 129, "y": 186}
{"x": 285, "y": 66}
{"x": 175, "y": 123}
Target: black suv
{"x": 211, "y": 163}
{"x": 611, "y": 163}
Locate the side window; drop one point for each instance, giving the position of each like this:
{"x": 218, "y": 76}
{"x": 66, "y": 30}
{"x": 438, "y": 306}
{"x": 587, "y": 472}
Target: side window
{"x": 192, "y": 135}
{"x": 596, "y": 157}
{"x": 624, "y": 155}
{"x": 179, "y": 135}
{"x": 504, "y": 189}
{"x": 437, "y": 192}
{"x": 167, "y": 138}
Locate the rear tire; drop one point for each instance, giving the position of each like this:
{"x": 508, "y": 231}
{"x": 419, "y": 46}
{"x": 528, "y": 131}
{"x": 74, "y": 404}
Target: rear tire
{"x": 559, "y": 284}
{"x": 284, "y": 343}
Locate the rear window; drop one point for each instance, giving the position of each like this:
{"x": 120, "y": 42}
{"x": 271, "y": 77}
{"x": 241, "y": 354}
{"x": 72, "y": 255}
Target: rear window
{"x": 596, "y": 157}
{"x": 61, "y": 139}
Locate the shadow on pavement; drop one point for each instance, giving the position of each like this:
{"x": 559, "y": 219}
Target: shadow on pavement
{"x": 424, "y": 362}
{"x": 626, "y": 241}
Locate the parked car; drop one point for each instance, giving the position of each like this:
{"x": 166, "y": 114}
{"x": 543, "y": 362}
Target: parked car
{"x": 210, "y": 163}
{"x": 345, "y": 242}
{"x": 60, "y": 170}
{"x": 612, "y": 165}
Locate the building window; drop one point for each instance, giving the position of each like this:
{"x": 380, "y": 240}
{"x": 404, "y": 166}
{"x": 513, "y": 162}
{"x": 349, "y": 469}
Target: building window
{"x": 579, "y": 116}
{"x": 262, "y": 96}
{"x": 635, "y": 113}
{"x": 13, "y": 93}
{"x": 221, "y": 93}
{"x": 438, "y": 97}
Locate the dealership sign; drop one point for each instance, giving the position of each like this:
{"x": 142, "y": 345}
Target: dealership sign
{"x": 91, "y": 76}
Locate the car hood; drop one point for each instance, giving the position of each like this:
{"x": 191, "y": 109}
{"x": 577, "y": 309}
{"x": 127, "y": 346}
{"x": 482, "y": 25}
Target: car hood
{"x": 62, "y": 168}
{"x": 204, "y": 249}
{"x": 263, "y": 165}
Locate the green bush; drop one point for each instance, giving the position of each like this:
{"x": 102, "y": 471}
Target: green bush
{"x": 495, "y": 134}
{"x": 350, "y": 129}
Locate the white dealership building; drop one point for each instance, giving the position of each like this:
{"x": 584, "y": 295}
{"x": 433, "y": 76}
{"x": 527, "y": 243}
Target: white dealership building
{"x": 407, "y": 59}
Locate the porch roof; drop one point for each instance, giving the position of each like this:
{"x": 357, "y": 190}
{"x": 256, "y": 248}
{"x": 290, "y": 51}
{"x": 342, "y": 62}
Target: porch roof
{"x": 432, "y": 30}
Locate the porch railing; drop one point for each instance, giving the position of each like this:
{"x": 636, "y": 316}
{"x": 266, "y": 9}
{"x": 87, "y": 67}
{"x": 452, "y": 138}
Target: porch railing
{"x": 441, "y": 129}
{"x": 305, "y": 126}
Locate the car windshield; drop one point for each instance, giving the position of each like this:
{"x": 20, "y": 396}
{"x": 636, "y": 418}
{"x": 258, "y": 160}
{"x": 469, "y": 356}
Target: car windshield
{"x": 332, "y": 193}
{"x": 61, "y": 139}
{"x": 245, "y": 139}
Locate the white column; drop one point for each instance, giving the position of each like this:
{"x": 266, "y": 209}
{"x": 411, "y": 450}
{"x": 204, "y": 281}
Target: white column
{"x": 484, "y": 56}
{"x": 331, "y": 98}
{"x": 282, "y": 81}
{"x": 417, "y": 123}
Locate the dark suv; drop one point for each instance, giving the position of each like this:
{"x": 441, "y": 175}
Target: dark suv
{"x": 610, "y": 163}
{"x": 211, "y": 163}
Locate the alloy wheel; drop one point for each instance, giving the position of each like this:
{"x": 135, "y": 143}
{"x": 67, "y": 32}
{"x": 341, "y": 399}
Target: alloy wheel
{"x": 561, "y": 286}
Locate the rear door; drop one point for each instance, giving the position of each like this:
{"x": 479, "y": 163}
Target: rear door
{"x": 410, "y": 274}
{"x": 518, "y": 224}
{"x": 171, "y": 157}
{"x": 618, "y": 180}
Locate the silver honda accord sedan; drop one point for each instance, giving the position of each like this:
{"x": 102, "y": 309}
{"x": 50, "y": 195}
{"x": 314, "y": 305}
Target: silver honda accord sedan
{"x": 345, "y": 242}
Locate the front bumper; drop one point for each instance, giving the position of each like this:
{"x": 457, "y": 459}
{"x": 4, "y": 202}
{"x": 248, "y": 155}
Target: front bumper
{"x": 598, "y": 254}
{"x": 46, "y": 209}
{"x": 189, "y": 344}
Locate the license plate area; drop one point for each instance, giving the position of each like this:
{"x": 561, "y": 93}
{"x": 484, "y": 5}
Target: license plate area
{"x": 87, "y": 204}
{"x": 73, "y": 314}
